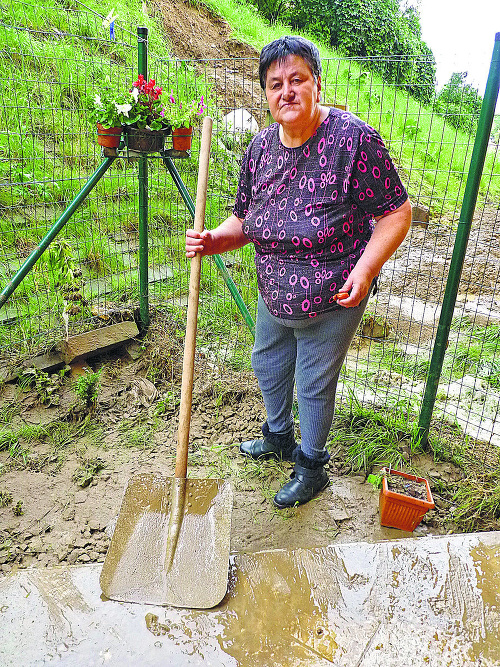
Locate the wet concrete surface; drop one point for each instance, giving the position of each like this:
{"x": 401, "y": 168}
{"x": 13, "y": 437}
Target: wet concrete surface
{"x": 414, "y": 601}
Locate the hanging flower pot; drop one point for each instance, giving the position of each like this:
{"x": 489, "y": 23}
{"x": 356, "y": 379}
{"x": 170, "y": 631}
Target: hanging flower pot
{"x": 109, "y": 137}
{"x": 404, "y": 500}
{"x": 145, "y": 140}
{"x": 182, "y": 138}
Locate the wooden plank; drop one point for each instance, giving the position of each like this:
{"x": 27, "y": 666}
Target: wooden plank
{"x": 98, "y": 341}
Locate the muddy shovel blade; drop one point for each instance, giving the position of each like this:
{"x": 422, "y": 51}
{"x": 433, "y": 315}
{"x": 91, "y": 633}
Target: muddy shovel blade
{"x": 135, "y": 566}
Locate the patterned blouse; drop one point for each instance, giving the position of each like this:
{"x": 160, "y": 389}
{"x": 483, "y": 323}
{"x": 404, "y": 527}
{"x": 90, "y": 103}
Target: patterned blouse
{"x": 310, "y": 210}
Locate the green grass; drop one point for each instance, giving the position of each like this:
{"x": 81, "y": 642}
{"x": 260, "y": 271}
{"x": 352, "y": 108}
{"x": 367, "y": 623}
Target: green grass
{"x": 226, "y": 462}
{"x": 5, "y": 498}
{"x": 139, "y": 436}
{"x": 451, "y": 450}
{"x": 167, "y": 404}
{"x": 475, "y": 352}
{"x": 8, "y": 412}
{"x": 373, "y": 441}
{"x": 368, "y": 439}
{"x": 60, "y": 439}
{"x": 477, "y": 503}
{"x": 47, "y": 152}
{"x": 395, "y": 360}
{"x": 8, "y": 439}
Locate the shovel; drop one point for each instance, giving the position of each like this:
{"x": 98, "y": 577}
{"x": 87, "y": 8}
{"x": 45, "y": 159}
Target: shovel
{"x": 171, "y": 542}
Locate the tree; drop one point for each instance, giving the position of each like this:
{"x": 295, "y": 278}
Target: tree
{"x": 271, "y": 10}
{"x": 387, "y": 38}
{"x": 459, "y": 103}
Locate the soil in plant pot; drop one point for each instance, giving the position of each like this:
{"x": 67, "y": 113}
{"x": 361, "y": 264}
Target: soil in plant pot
{"x": 407, "y": 487}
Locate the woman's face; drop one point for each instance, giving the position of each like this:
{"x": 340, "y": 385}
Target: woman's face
{"x": 291, "y": 91}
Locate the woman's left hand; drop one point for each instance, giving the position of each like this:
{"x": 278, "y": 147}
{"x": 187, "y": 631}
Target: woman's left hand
{"x": 357, "y": 286}
{"x": 387, "y": 236}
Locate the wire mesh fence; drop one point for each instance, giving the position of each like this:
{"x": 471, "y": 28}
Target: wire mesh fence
{"x": 49, "y": 62}
{"x": 50, "y": 69}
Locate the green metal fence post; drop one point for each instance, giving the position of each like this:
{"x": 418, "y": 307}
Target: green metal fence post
{"x": 54, "y": 231}
{"x": 142, "y": 39}
{"x": 468, "y": 205}
{"x": 217, "y": 258}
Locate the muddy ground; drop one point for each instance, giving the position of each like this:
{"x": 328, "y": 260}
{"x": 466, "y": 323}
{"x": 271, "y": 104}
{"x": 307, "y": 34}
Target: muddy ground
{"x": 61, "y": 491}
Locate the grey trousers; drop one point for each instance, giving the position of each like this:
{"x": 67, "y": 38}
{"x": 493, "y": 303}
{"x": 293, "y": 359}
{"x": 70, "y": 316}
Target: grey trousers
{"x": 309, "y": 353}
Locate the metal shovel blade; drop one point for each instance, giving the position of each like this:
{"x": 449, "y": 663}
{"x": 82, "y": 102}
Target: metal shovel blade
{"x": 137, "y": 567}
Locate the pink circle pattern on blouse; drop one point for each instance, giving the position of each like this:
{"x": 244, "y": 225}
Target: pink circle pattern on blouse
{"x": 310, "y": 210}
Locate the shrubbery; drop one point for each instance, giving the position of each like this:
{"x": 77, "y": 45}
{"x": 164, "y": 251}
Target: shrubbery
{"x": 459, "y": 103}
{"x": 388, "y": 39}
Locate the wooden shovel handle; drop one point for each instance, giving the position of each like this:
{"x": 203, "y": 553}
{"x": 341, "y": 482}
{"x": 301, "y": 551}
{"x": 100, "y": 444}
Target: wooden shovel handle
{"x": 192, "y": 313}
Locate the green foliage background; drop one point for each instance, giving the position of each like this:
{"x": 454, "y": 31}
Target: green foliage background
{"x": 369, "y": 29}
{"x": 459, "y": 103}
{"x": 54, "y": 57}
{"x": 373, "y": 31}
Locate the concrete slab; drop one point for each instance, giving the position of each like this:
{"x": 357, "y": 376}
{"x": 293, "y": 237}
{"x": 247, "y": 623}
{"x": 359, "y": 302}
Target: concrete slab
{"x": 97, "y": 341}
{"x": 417, "y": 601}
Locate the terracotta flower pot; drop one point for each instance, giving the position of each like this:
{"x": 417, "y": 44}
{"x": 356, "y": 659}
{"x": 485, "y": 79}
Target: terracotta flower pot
{"x": 398, "y": 510}
{"x": 182, "y": 138}
{"x": 144, "y": 140}
{"x": 109, "y": 137}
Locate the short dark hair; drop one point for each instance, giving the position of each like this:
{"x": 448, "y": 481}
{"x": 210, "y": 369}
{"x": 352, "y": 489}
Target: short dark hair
{"x": 281, "y": 48}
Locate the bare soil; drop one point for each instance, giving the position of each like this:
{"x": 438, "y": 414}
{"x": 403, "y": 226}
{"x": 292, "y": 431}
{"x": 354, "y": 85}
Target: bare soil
{"x": 407, "y": 487}
{"x": 62, "y": 491}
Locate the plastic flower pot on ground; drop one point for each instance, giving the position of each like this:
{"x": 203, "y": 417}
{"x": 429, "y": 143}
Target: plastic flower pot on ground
{"x": 145, "y": 140}
{"x": 109, "y": 137}
{"x": 398, "y": 510}
{"x": 182, "y": 138}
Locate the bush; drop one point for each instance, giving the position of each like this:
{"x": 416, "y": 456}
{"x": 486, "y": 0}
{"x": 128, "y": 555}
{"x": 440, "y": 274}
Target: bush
{"x": 459, "y": 103}
{"x": 394, "y": 49}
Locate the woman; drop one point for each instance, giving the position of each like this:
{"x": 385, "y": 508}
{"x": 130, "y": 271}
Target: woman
{"x": 311, "y": 187}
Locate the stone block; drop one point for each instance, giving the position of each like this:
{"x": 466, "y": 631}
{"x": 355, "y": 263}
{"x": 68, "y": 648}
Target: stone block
{"x": 98, "y": 341}
{"x": 420, "y": 215}
{"x": 50, "y": 362}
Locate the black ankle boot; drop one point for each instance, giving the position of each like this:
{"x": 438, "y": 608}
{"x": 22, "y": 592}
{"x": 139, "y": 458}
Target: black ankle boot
{"x": 274, "y": 445}
{"x": 308, "y": 478}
